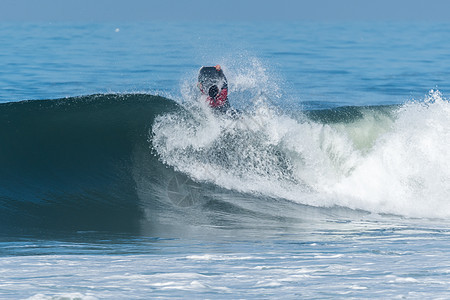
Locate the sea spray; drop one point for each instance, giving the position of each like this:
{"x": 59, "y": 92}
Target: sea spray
{"x": 407, "y": 172}
{"x": 380, "y": 159}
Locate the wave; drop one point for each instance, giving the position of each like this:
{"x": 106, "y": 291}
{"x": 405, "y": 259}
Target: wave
{"x": 380, "y": 159}
{"x": 68, "y": 163}
{"x": 114, "y": 162}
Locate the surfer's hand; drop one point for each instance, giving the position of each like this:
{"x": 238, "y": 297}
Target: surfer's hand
{"x": 217, "y": 67}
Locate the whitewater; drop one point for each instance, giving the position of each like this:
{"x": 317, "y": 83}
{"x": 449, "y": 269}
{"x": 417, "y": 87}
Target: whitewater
{"x": 382, "y": 159}
{"x": 331, "y": 180}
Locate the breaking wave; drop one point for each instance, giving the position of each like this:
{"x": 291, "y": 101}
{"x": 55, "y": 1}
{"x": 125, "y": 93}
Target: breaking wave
{"x": 114, "y": 162}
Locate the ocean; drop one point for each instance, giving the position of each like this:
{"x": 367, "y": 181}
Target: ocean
{"x": 331, "y": 181}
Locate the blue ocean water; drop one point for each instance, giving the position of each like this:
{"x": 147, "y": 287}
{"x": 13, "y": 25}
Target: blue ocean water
{"x": 343, "y": 63}
{"x": 116, "y": 182}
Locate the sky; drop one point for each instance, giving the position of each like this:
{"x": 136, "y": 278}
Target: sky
{"x": 223, "y": 11}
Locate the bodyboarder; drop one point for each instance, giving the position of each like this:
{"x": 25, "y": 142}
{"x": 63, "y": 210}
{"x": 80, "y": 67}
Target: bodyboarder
{"x": 213, "y": 84}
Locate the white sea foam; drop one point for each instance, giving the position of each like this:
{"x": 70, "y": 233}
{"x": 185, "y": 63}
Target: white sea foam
{"x": 68, "y": 296}
{"x": 397, "y": 163}
{"x": 408, "y": 170}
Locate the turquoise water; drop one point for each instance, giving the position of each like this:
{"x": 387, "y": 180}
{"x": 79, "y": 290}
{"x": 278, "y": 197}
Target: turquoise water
{"x": 333, "y": 181}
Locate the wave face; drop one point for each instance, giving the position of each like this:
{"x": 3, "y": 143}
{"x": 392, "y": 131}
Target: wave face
{"x": 114, "y": 162}
{"x": 69, "y": 163}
